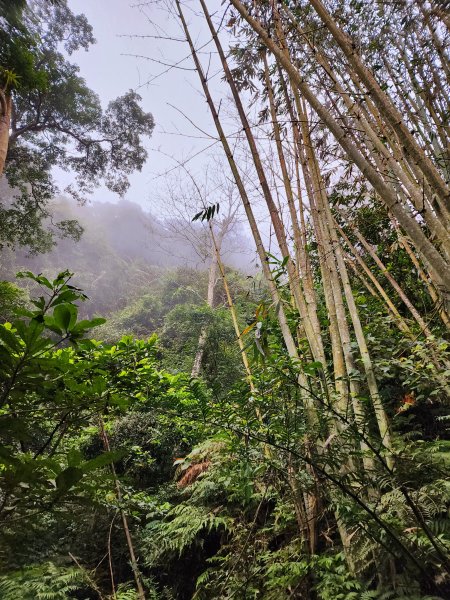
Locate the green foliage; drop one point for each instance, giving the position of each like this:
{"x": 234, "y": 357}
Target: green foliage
{"x": 59, "y": 122}
{"x": 20, "y": 56}
{"x": 11, "y": 298}
{"x": 184, "y": 525}
{"x": 139, "y": 318}
{"x": 213, "y": 484}
{"x": 208, "y": 213}
{"x": 52, "y": 396}
{"x": 179, "y": 339}
{"x": 174, "y": 308}
{"x": 33, "y": 365}
{"x": 43, "y": 582}
{"x": 274, "y": 486}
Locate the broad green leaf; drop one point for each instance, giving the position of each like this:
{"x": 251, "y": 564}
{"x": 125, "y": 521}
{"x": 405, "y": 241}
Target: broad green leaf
{"x": 68, "y": 478}
{"x": 50, "y": 323}
{"x": 85, "y": 324}
{"x": 65, "y": 316}
{"x": 102, "y": 460}
{"x": 30, "y": 332}
{"x": 9, "y": 339}
{"x": 66, "y": 296}
{"x": 62, "y": 277}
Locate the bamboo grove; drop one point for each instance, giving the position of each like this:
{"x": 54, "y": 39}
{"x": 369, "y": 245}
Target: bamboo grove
{"x": 353, "y": 102}
{"x": 273, "y": 435}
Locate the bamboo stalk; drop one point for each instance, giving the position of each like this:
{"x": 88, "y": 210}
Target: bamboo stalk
{"x": 401, "y": 323}
{"x": 393, "y": 282}
{"x": 286, "y": 333}
{"x": 439, "y": 267}
{"x": 385, "y": 106}
{"x": 414, "y": 190}
{"x": 274, "y": 215}
{"x": 310, "y": 300}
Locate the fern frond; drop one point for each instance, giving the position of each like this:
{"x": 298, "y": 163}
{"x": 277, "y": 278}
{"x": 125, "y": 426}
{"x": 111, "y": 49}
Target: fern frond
{"x": 183, "y": 526}
{"x": 42, "y": 582}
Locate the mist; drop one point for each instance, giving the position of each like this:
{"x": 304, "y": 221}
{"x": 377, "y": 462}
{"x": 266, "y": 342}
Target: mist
{"x": 122, "y": 250}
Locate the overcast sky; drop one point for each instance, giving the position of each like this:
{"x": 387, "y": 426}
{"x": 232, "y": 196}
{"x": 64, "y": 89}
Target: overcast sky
{"x": 110, "y": 69}
{"x": 128, "y": 55}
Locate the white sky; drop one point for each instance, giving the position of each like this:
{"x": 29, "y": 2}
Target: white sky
{"x": 111, "y": 68}
{"x": 110, "y": 72}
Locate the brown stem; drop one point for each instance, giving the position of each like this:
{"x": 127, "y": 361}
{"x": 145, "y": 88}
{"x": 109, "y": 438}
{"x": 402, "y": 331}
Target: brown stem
{"x": 126, "y": 529}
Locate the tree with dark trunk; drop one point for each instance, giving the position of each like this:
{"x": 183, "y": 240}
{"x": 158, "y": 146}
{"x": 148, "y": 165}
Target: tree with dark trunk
{"x": 50, "y": 118}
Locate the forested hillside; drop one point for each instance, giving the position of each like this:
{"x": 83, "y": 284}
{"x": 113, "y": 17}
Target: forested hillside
{"x": 237, "y": 386}
{"x": 121, "y": 239}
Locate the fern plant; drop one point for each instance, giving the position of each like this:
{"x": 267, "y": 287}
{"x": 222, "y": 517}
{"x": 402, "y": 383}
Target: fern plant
{"x": 43, "y": 582}
{"x": 183, "y": 526}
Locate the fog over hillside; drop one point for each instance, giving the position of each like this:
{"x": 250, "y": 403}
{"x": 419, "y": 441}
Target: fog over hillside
{"x": 123, "y": 248}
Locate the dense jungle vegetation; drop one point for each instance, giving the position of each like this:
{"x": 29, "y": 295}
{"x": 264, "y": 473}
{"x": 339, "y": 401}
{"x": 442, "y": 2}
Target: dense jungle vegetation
{"x": 178, "y": 421}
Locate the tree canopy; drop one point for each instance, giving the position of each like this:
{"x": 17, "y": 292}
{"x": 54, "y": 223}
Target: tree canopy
{"x": 51, "y": 118}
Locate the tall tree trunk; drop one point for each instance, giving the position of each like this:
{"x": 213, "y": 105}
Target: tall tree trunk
{"x": 380, "y": 413}
{"x": 282, "y": 320}
{"x": 212, "y": 277}
{"x": 379, "y": 148}
{"x": 287, "y": 335}
{"x": 375, "y": 143}
{"x": 5, "y": 123}
{"x": 333, "y": 269}
{"x": 302, "y": 264}
{"x": 314, "y": 343}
